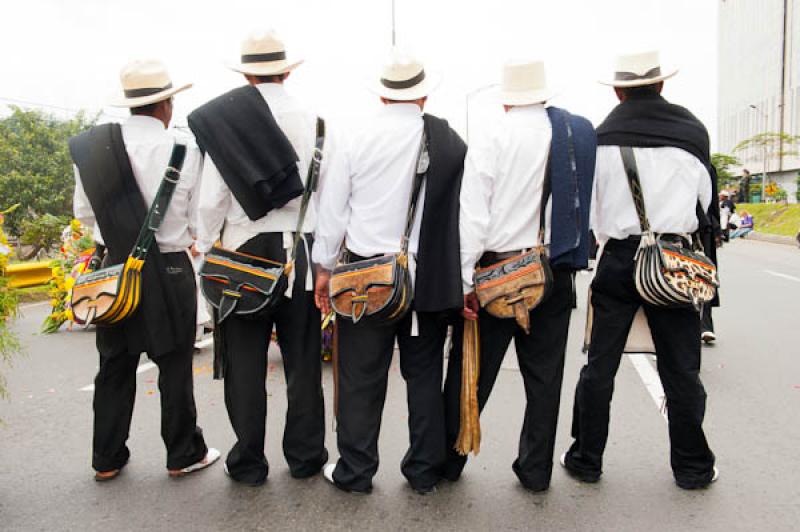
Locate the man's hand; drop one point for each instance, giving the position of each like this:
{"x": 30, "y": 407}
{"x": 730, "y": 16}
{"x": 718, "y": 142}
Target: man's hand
{"x": 470, "y": 311}
{"x": 193, "y": 250}
{"x": 321, "y": 294}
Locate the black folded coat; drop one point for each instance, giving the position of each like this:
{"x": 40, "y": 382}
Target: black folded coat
{"x": 251, "y": 152}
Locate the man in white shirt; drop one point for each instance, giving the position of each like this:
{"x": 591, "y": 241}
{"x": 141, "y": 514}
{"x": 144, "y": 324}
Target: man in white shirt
{"x": 363, "y": 209}
{"x": 163, "y": 325}
{"x": 244, "y": 221}
{"x": 511, "y": 175}
{"x": 670, "y": 147}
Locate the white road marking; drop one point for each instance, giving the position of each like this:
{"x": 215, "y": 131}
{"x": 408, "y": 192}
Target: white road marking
{"x": 141, "y": 369}
{"x": 783, "y": 275}
{"x": 650, "y": 378}
{"x": 34, "y": 305}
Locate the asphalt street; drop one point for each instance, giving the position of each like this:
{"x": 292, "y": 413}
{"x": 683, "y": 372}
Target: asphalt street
{"x": 752, "y": 376}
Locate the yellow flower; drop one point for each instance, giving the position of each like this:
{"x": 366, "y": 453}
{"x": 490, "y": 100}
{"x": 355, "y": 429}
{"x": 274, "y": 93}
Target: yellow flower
{"x": 54, "y": 303}
{"x": 75, "y": 225}
{"x": 69, "y": 283}
{"x": 69, "y": 315}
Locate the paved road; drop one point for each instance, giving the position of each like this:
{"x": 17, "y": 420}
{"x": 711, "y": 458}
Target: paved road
{"x": 752, "y": 376}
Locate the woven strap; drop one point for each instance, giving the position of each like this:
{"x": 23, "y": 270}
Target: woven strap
{"x": 420, "y": 171}
{"x": 311, "y": 184}
{"x": 158, "y": 209}
{"x": 629, "y": 162}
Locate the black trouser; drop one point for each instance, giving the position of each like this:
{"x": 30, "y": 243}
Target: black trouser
{"x": 676, "y": 335}
{"x": 706, "y": 321}
{"x": 541, "y": 363}
{"x": 115, "y": 387}
{"x": 365, "y": 352}
{"x": 297, "y": 321}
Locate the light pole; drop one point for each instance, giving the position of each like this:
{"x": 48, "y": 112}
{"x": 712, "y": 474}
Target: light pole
{"x": 469, "y": 97}
{"x": 764, "y": 174}
{"x": 393, "y": 33}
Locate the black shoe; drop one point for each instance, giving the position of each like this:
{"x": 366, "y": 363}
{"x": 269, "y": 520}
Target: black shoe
{"x": 589, "y": 478}
{"x": 313, "y": 470}
{"x": 424, "y": 490}
{"x": 696, "y": 486}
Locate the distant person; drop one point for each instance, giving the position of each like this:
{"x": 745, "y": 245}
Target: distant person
{"x": 164, "y": 325}
{"x": 726, "y": 209}
{"x": 744, "y": 187}
{"x": 671, "y": 150}
{"x": 745, "y": 226}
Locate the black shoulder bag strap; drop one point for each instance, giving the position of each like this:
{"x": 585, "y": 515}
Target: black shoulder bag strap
{"x": 420, "y": 171}
{"x": 312, "y": 179}
{"x": 629, "y": 162}
{"x": 158, "y": 209}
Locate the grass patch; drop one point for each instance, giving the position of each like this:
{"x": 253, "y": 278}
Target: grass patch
{"x": 33, "y": 294}
{"x": 773, "y": 218}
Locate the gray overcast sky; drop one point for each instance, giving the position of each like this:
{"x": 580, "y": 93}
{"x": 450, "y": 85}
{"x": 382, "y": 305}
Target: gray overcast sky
{"x": 69, "y": 53}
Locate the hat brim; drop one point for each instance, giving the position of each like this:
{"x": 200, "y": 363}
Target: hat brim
{"x": 420, "y": 90}
{"x": 639, "y": 82}
{"x": 141, "y": 101}
{"x": 528, "y": 97}
{"x": 268, "y": 68}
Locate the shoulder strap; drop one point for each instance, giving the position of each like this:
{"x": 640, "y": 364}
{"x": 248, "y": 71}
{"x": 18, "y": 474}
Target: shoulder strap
{"x": 420, "y": 171}
{"x": 546, "y": 191}
{"x": 158, "y": 209}
{"x": 312, "y": 180}
{"x": 629, "y": 162}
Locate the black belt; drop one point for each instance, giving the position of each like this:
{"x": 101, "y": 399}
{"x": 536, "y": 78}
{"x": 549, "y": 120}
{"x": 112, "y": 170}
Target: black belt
{"x": 348, "y": 257}
{"x": 493, "y": 257}
{"x": 633, "y": 241}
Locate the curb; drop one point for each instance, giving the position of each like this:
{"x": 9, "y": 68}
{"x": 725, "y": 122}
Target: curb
{"x": 775, "y": 239}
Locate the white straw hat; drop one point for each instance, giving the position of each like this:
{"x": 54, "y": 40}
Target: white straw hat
{"x": 635, "y": 70}
{"x": 524, "y": 83}
{"x": 404, "y": 78}
{"x": 144, "y": 82}
{"x": 264, "y": 54}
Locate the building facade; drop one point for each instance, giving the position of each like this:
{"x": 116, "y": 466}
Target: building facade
{"x": 759, "y": 85}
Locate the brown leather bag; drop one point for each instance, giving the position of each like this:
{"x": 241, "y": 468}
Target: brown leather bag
{"x": 379, "y": 288}
{"x": 512, "y": 287}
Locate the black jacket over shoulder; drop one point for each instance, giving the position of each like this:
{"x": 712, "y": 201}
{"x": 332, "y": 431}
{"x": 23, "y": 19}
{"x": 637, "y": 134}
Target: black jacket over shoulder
{"x": 438, "y": 280}
{"x": 650, "y": 121}
{"x": 251, "y": 152}
{"x": 120, "y": 209}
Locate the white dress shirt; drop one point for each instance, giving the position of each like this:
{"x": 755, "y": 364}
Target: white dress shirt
{"x": 365, "y": 200}
{"x": 501, "y": 192}
{"x": 672, "y": 181}
{"x": 218, "y": 205}
{"x": 149, "y": 146}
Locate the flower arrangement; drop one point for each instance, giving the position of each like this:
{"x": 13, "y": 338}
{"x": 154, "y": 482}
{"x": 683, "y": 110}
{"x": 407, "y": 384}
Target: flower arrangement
{"x": 9, "y": 343}
{"x": 75, "y": 252}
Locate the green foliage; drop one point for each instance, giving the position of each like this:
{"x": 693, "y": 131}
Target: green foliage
{"x": 774, "y": 218}
{"x": 42, "y": 232}
{"x": 35, "y": 165}
{"x": 722, "y": 162}
{"x": 9, "y": 343}
{"x": 797, "y": 189}
{"x": 776, "y": 145}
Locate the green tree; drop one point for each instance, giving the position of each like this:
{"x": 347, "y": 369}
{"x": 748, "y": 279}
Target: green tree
{"x": 722, "y": 162}
{"x": 771, "y": 144}
{"x": 35, "y": 165}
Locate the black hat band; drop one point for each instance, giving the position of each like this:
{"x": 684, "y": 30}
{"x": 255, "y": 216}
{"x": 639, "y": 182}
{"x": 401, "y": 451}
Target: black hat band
{"x": 632, "y": 76}
{"x": 263, "y": 58}
{"x": 140, "y": 93}
{"x": 404, "y": 84}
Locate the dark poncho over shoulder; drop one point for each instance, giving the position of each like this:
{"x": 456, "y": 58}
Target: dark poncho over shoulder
{"x": 438, "y": 280}
{"x": 253, "y": 155}
{"x": 650, "y": 121}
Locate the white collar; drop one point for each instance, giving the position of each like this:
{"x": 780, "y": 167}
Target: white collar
{"x": 402, "y": 109}
{"x": 272, "y": 90}
{"x": 145, "y": 122}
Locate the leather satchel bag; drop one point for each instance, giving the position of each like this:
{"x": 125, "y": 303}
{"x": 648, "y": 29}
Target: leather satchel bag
{"x": 379, "y": 289}
{"x": 109, "y": 295}
{"x": 513, "y": 287}
{"x": 668, "y": 272}
{"x": 249, "y": 286}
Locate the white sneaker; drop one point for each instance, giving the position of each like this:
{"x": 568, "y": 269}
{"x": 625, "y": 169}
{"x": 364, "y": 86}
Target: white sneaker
{"x": 715, "y": 476}
{"x": 211, "y": 456}
{"x": 327, "y": 472}
{"x": 708, "y": 337}
{"x": 563, "y": 460}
